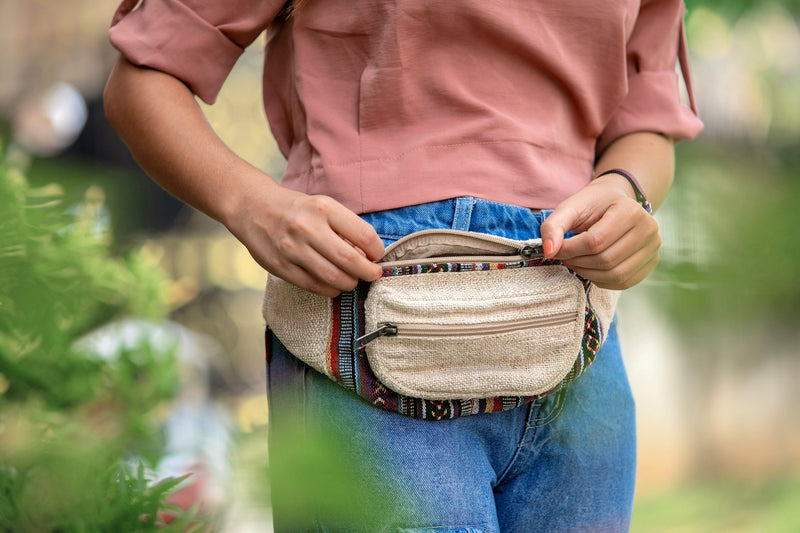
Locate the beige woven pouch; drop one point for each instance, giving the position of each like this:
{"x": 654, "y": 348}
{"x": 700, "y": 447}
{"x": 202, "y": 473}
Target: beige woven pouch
{"x": 457, "y": 315}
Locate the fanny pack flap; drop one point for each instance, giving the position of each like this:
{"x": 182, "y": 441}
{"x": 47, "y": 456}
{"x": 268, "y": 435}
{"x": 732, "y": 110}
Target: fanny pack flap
{"x": 503, "y": 331}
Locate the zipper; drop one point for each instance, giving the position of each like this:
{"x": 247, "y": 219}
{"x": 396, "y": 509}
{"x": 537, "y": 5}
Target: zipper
{"x": 389, "y": 329}
{"x": 489, "y": 245}
{"x": 531, "y": 250}
{"x": 528, "y": 251}
{"x": 384, "y": 330}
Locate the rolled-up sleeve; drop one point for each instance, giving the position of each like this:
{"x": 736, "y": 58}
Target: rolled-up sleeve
{"x": 652, "y": 102}
{"x": 196, "y": 41}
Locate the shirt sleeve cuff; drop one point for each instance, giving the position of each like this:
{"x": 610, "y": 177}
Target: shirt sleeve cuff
{"x": 652, "y": 104}
{"x": 170, "y": 37}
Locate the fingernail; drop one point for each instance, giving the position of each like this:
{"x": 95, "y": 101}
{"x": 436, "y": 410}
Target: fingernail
{"x": 548, "y": 246}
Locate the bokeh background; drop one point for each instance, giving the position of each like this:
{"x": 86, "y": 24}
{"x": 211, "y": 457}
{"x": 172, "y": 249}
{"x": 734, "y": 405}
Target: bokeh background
{"x": 711, "y": 339}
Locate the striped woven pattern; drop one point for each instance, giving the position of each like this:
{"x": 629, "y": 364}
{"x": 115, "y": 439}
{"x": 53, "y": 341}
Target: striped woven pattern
{"x": 428, "y": 268}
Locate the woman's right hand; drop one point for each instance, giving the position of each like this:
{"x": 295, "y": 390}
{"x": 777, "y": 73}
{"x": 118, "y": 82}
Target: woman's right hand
{"x": 313, "y": 242}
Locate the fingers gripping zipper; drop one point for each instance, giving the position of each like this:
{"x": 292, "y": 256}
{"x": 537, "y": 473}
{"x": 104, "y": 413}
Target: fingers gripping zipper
{"x": 388, "y": 329}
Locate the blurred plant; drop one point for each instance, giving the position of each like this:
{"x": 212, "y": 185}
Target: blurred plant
{"x": 729, "y": 269}
{"x": 76, "y": 428}
{"x": 735, "y": 8}
{"x": 58, "y": 282}
{"x": 313, "y": 477}
{"x": 717, "y": 507}
{"x": 736, "y": 212}
{"x": 60, "y": 474}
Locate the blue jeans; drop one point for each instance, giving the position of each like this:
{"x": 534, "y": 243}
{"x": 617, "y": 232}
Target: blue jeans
{"x": 517, "y": 471}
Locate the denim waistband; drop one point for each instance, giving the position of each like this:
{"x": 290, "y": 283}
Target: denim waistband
{"x": 463, "y": 213}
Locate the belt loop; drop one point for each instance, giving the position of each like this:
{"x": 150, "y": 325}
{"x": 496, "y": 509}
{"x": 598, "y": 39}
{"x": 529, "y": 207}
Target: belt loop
{"x": 462, "y": 218}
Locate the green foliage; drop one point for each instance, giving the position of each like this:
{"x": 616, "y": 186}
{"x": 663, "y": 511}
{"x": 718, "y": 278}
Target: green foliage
{"x": 63, "y": 475}
{"x": 732, "y": 507}
{"x": 310, "y": 469}
{"x": 743, "y": 203}
{"x": 72, "y": 418}
{"x": 58, "y": 282}
{"x": 735, "y": 8}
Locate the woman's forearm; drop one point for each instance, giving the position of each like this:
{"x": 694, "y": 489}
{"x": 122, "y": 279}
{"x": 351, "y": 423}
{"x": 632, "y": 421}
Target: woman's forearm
{"x": 311, "y": 241}
{"x": 159, "y": 119}
{"x": 650, "y": 157}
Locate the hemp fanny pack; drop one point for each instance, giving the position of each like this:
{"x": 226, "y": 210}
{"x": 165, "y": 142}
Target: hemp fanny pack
{"x": 459, "y": 323}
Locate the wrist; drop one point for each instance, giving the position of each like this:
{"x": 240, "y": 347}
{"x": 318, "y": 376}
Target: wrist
{"x": 242, "y": 197}
{"x": 633, "y": 186}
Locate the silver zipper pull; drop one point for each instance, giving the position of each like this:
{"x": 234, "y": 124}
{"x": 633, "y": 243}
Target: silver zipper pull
{"x": 385, "y": 330}
{"x": 531, "y": 250}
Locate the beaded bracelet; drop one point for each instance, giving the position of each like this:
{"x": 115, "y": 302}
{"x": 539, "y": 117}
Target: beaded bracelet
{"x": 637, "y": 189}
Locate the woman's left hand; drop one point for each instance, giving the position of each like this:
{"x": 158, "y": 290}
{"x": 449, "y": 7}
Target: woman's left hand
{"x": 618, "y": 241}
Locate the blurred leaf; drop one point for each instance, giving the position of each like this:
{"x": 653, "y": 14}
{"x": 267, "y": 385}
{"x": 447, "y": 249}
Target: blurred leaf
{"x": 735, "y": 8}
{"x": 73, "y": 417}
{"x": 738, "y": 208}
{"x": 722, "y": 507}
{"x": 309, "y": 469}
{"x": 58, "y": 281}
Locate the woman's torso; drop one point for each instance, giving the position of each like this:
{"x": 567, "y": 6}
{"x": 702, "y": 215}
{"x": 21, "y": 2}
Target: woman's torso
{"x": 386, "y": 104}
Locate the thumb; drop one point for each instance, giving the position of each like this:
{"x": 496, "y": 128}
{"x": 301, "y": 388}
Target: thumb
{"x": 553, "y": 229}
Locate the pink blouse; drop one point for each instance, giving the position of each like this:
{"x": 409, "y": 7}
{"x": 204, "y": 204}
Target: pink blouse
{"x": 387, "y": 103}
